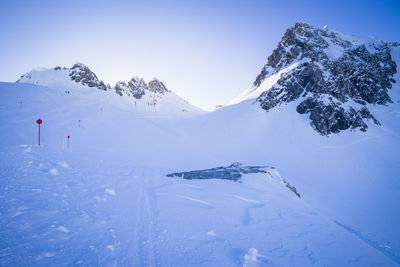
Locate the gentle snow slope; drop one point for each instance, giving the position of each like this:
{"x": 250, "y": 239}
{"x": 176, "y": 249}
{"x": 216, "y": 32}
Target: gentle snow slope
{"x": 105, "y": 200}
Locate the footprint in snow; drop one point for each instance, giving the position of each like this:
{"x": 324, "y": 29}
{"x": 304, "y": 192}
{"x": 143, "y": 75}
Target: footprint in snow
{"x": 63, "y": 229}
{"x": 63, "y": 164}
{"x": 211, "y": 233}
{"x": 27, "y": 148}
{"x": 250, "y": 259}
{"x": 42, "y": 165}
{"x": 54, "y": 171}
{"x": 110, "y": 191}
{"x": 46, "y": 255}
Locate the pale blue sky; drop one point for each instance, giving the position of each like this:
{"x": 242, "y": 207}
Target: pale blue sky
{"x": 206, "y": 51}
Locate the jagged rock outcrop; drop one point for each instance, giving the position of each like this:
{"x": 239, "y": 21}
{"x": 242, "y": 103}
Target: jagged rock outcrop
{"x": 80, "y": 73}
{"x": 233, "y": 172}
{"x": 336, "y": 78}
{"x": 157, "y": 86}
{"x": 135, "y": 88}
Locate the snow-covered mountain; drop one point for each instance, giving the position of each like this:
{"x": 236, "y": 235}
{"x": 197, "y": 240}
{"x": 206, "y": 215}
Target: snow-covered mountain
{"x": 235, "y": 187}
{"x": 349, "y": 175}
{"x": 153, "y": 98}
{"x": 103, "y": 197}
{"x": 334, "y": 78}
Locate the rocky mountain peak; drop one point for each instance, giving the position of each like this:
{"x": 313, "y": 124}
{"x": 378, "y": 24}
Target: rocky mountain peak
{"x": 135, "y": 87}
{"x": 80, "y": 73}
{"x": 157, "y": 86}
{"x": 336, "y": 77}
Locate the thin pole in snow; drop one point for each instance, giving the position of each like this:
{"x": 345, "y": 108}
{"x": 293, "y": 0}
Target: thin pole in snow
{"x": 39, "y": 121}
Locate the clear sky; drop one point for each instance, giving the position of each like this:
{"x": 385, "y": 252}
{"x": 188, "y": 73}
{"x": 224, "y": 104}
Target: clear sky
{"x": 205, "y": 51}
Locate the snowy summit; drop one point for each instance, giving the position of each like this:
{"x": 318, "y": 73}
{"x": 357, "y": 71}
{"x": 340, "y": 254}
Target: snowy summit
{"x": 301, "y": 169}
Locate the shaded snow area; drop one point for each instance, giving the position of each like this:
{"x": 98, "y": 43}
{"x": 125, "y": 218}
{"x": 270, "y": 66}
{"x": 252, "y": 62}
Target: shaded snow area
{"x": 105, "y": 199}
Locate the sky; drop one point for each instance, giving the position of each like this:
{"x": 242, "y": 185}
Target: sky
{"x": 205, "y": 51}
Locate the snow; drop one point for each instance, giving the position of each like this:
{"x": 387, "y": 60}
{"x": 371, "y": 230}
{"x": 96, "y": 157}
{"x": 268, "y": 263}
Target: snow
{"x": 110, "y": 191}
{"x": 54, "y": 171}
{"x": 63, "y": 229}
{"x": 151, "y": 104}
{"x": 254, "y": 92}
{"x": 250, "y": 259}
{"x": 112, "y": 204}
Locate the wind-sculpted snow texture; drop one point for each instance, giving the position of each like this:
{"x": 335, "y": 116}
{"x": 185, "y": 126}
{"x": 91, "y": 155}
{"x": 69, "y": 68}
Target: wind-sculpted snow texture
{"x": 105, "y": 200}
{"x": 337, "y": 80}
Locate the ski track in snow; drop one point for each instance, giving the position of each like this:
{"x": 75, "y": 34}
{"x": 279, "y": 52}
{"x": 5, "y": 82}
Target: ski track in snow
{"x": 85, "y": 206}
{"x": 60, "y": 221}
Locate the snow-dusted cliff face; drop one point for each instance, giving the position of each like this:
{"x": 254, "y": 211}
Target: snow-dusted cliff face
{"x": 79, "y": 74}
{"x": 335, "y": 78}
{"x": 149, "y": 97}
{"x": 82, "y": 74}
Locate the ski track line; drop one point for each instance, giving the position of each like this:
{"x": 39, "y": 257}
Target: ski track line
{"x": 144, "y": 231}
{"x": 135, "y": 246}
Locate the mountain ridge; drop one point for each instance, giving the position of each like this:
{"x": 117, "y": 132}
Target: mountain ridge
{"x": 335, "y": 77}
{"x": 137, "y": 91}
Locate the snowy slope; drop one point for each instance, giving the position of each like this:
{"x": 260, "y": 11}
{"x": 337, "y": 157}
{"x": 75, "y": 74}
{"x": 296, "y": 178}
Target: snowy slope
{"x": 351, "y": 177}
{"x": 255, "y": 91}
{"x": 105, "y": 200}
{"x": 86, "y": 83}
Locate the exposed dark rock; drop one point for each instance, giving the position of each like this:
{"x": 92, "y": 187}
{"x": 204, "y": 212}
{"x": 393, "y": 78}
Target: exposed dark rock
{"x": 234, "y": 172}
{"x": 157, "y": 86}
{"x": 135, "y": 88}
{"x": 334, "y": 91}
{"x": 292, "y": 188}
{"x": 120, "y": 87}
{"x": 83, "y": 75}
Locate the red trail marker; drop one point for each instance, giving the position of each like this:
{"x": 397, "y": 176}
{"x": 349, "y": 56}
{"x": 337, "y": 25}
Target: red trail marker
{"x": 68, "y": 141}
{"x": 39, "y": 121}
